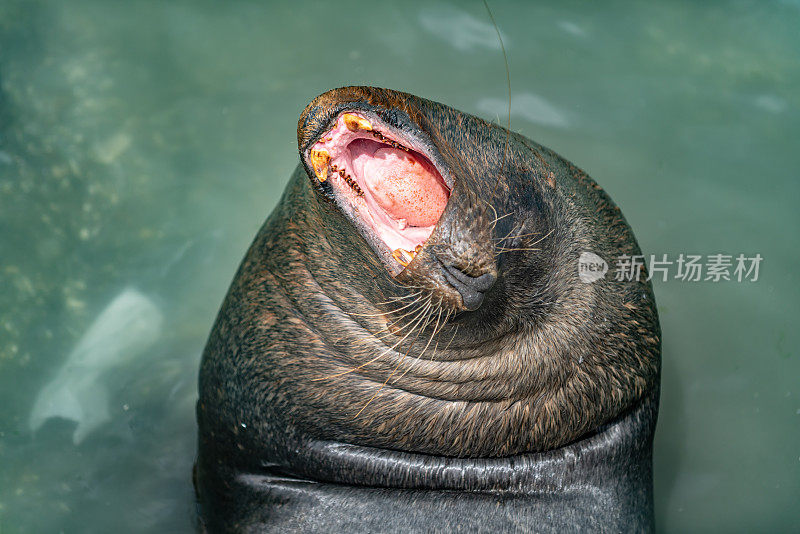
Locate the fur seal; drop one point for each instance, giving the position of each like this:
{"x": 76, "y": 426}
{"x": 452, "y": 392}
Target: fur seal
{"x": 408, "y": 347}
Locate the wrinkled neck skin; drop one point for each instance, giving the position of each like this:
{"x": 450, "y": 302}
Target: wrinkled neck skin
{"x": 482, "y": 364}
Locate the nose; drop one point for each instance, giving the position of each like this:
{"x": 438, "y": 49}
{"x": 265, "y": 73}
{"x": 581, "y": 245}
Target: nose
{"x": 472, "y": 289}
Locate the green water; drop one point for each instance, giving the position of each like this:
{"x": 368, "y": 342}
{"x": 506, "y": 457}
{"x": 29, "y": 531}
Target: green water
{"x": 143, "y": 143}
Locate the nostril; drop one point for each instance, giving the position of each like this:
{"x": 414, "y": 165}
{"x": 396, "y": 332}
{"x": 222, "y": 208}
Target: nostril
{"x": 472, "y": 289}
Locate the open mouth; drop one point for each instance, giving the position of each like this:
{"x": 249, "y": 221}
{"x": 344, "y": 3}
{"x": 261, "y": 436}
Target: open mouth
{"x": 384, "y": 181}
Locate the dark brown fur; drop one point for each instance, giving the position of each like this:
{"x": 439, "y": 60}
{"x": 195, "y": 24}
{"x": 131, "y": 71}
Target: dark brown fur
{"x": 299, "y": 351}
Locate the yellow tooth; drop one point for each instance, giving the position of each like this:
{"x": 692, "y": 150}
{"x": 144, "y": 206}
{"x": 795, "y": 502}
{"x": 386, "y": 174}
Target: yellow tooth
{"x": 354, "y": 123}
{"x": 403, "y": 256}
{"x": 319, "y": 160}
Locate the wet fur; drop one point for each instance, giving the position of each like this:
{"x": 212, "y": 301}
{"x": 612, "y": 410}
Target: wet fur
{"x": 304, "y": 355}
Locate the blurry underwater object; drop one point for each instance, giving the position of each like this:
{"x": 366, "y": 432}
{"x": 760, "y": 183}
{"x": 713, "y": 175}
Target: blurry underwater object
{"x": 129, "y": 325}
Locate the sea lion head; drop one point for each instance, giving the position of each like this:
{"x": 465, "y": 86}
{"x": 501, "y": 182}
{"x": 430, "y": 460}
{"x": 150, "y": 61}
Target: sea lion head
{"x": 418, "y": 289}
{"x": 383, "y": 158}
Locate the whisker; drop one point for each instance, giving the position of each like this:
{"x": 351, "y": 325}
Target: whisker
{"x": 399, "y": 329}
{"x": 502, "y": 250}
{"x": 493, "y": 210}
{"x": 380, "y": 389}
{"x": 419, "y": 356}
{"x": 451, "y": 339}
{"x": 494, "y": 222}
{"x": 505, "y": 236}
{"x": 545, "y": 236}
{"x": 413, "y": 311}
{"x": 383, "y": 313}
{"x": 528, "y": 248}
{"x": 419, "y": 319}
{"x": 508, "y": 81}
{"x": 516, "y": 236}
{"x": 395, "y": 299}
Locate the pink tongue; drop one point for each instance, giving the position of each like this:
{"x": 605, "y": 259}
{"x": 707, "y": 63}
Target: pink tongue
{"x": 405, "y": 187}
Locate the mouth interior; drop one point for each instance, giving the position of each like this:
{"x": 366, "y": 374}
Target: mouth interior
{"x": 395, "y": 191}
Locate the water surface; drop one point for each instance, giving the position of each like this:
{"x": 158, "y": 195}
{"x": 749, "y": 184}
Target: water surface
{"x": 142, "y": 144}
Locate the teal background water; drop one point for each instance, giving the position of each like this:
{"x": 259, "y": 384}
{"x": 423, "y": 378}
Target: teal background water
{"x": 143, "y": 143}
